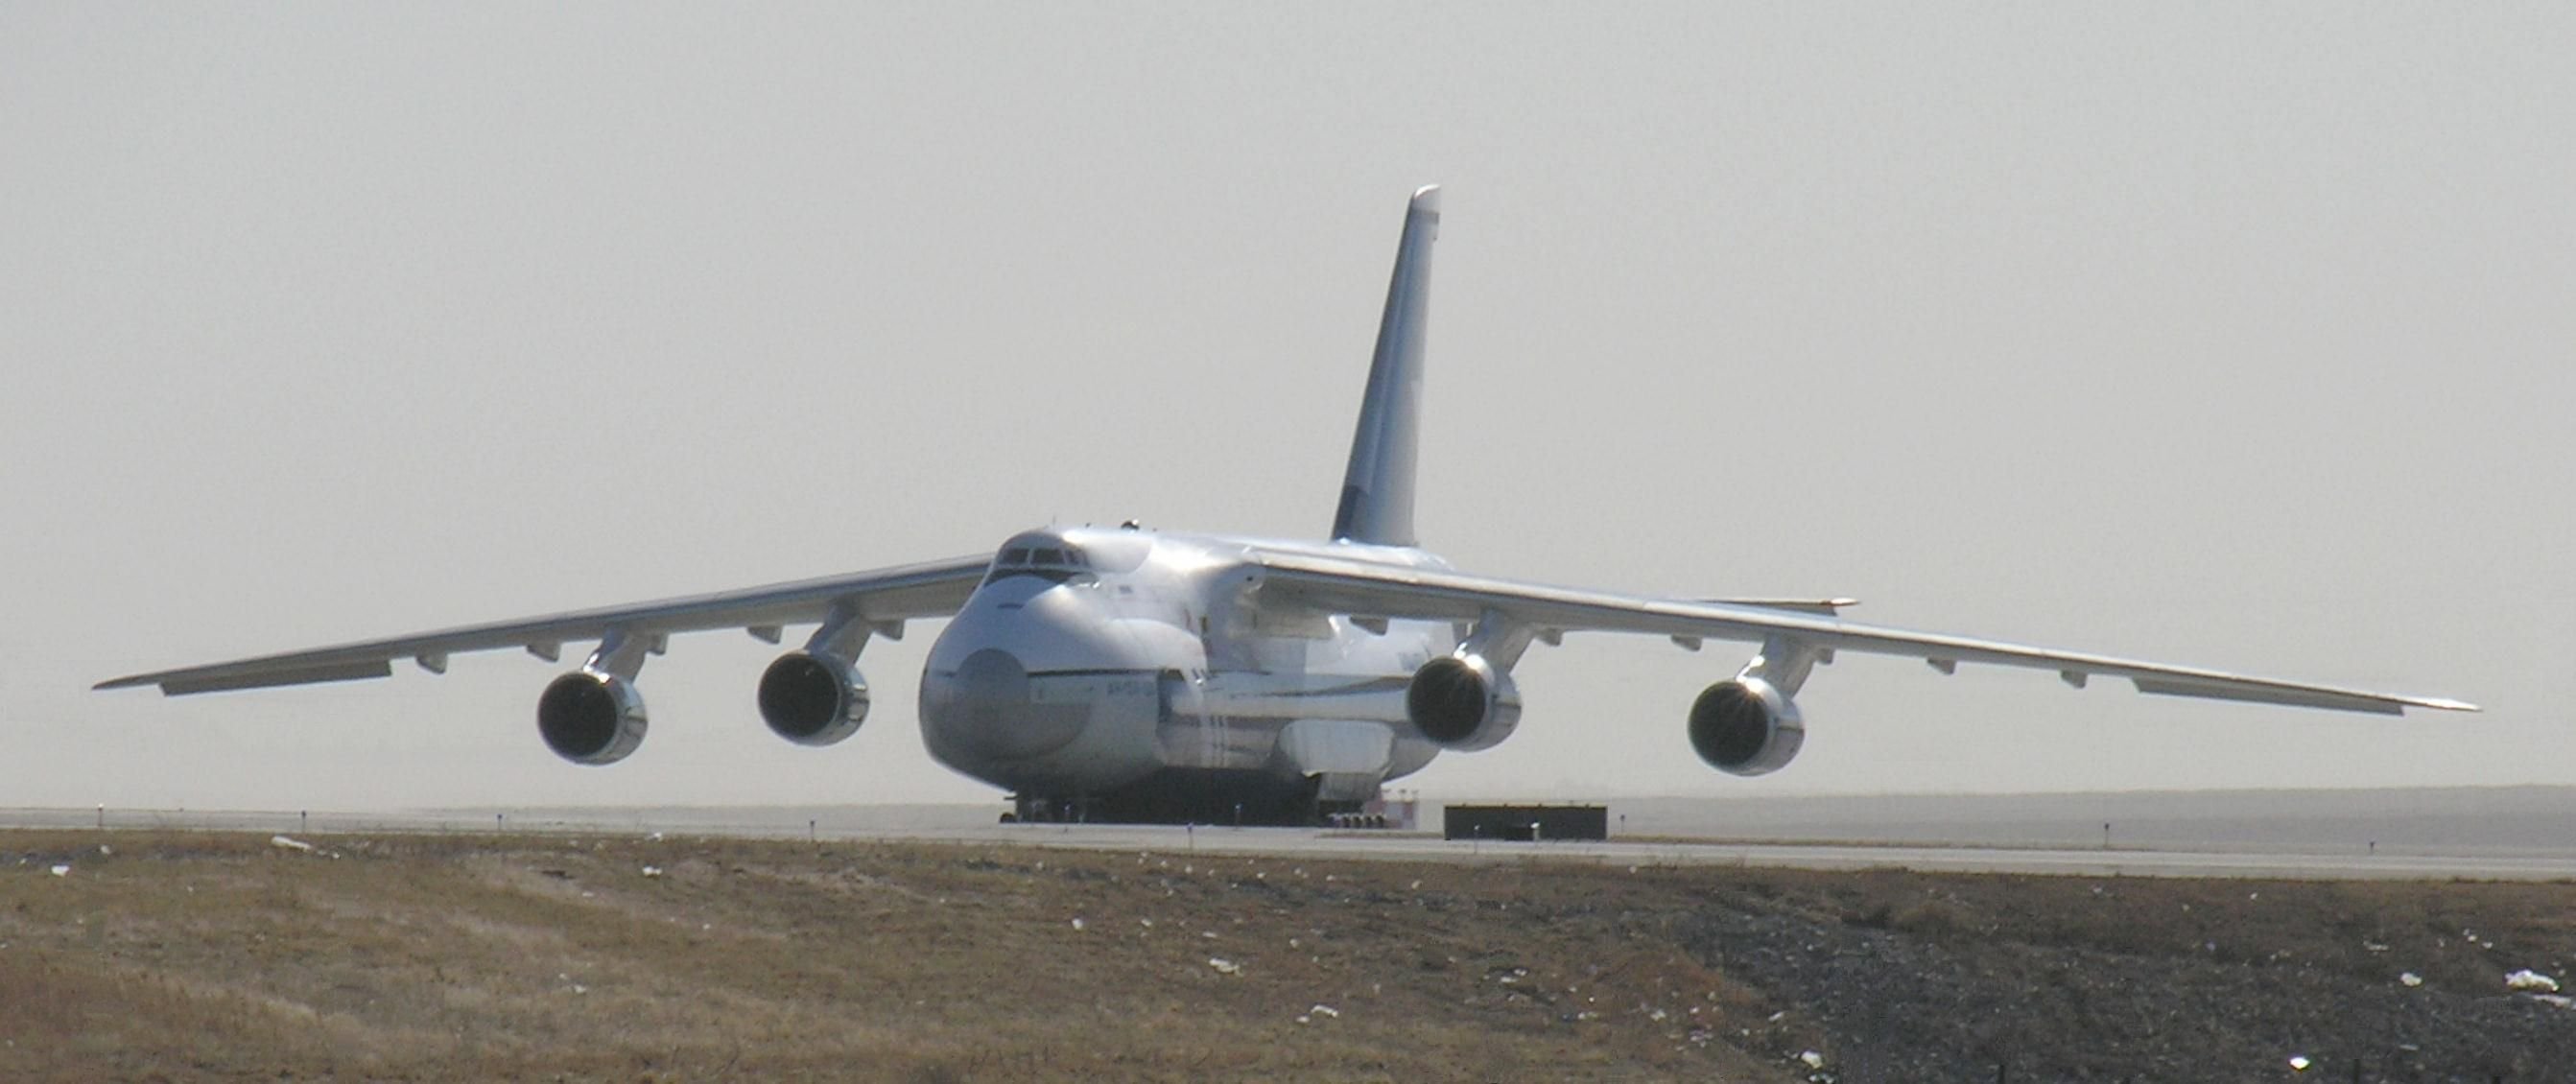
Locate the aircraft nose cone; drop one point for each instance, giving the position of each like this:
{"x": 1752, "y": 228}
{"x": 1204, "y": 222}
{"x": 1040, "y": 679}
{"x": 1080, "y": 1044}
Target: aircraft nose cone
{"x": 995, "y": 714}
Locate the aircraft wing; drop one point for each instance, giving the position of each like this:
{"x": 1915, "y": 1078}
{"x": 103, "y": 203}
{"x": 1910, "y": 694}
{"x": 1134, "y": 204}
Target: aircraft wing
{"x": 884, "y": 596}
{"x": 1362, "y": 589}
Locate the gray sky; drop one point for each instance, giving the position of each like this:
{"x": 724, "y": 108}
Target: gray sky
{"x": 2235, "y": 336}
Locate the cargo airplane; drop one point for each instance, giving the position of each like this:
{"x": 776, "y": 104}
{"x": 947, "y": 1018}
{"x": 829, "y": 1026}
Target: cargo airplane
{"x": 1130, "y": 674}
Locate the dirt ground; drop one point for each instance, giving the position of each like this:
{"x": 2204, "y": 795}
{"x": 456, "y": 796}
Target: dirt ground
{"x": 169, "y": 956}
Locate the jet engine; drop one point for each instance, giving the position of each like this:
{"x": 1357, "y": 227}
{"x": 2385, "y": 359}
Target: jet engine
{"x": 588, "y": 717}
{"x": 1463, "y": 702}
{"x": 1746, "y": 727}
{"x": 813, "y": 698}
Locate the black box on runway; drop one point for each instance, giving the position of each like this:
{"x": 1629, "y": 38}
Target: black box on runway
{"x": 1525, "y": 822}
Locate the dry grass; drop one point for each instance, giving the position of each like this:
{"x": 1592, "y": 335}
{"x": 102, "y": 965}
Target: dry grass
{"x": 213, "y": 957}
{"x": 202, "y": 957}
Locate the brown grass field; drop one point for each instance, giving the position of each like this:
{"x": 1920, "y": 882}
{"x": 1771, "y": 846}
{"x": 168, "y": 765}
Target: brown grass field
{"x": 176, "y": 956}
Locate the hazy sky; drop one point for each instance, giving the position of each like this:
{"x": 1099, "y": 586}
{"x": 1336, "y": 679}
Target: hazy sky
{"x": 2233, "y": 336}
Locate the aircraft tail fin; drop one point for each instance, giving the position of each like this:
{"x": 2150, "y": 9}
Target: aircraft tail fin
{"x": 1377, "y": 490}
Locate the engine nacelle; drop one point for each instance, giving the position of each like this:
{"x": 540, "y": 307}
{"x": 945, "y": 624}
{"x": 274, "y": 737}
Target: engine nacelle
{"x": 591, "y": 718}
{"x": 812, "y": 698}
{"x": 1746, "y": 727}
{"x": 1463, "y": 702}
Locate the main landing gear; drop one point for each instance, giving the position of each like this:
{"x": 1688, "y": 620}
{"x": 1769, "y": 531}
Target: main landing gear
{"x": 1197, "y": 800}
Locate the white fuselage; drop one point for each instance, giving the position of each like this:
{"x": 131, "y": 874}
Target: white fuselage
{"x": 1092, "y": 658}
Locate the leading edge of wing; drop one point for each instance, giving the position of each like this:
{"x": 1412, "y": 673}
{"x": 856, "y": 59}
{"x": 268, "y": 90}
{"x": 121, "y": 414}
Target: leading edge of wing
{"x": 1354, "y": 587}
{"x": 927, "y": 589}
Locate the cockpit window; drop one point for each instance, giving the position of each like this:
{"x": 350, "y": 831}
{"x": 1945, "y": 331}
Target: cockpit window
{"x": 1059, "y": 565}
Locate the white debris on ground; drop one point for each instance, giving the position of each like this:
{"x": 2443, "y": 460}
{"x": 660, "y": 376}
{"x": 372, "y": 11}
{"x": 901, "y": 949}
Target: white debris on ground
{"x": 1225, "y": 966}
{"x": 289, "y": 843}
{"x": 2409, "y": 979}
{"x": 2528, "y": 980}
{"x": 62, "y": 871}
{"x": 2560, "y": 1000}
{"x": 1325, "y": 1011}
{"x": 104, "y": 849}
{"x": 1811, "y": 1059}
{"x": 1077, "y": 925}
{"x": 652, "y": 871}
{"x": 2299, "y": 1063}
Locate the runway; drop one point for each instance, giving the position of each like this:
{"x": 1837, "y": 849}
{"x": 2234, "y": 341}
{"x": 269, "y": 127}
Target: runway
{"x": 958, "y": 826}
{"x": 1302, "y": 843}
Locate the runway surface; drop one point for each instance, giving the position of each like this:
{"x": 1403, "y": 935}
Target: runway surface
{"x": 1286, "y": 842}
{"x": 951, "y": 825}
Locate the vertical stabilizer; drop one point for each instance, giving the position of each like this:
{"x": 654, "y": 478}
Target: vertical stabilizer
{"x": 1377, "y": 491}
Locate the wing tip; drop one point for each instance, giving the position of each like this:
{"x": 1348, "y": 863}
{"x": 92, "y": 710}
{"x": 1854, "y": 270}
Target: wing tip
{"x": 2443, "y": 703}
